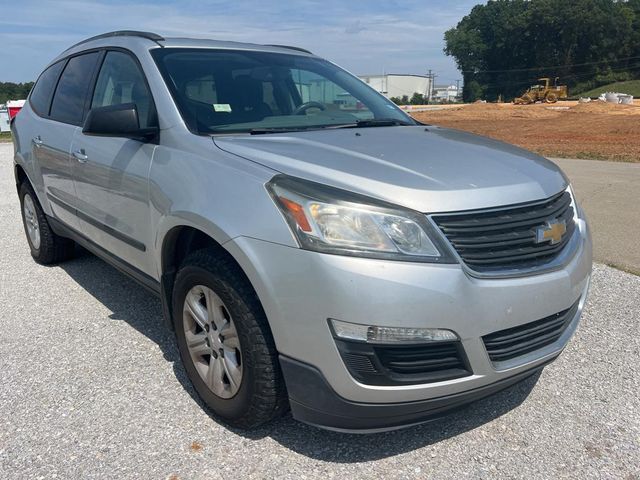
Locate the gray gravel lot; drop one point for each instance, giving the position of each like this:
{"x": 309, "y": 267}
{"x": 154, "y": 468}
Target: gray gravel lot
{"x": 90, "y": 387}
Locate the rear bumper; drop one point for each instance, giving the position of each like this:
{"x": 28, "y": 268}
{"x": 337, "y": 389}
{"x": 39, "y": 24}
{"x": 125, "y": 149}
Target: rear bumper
{"x": 314, "y": 402}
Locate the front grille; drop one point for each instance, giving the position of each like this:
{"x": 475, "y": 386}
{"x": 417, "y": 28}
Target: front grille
{"x": 404, "y": 364}
{"x": 502, "y": 239}
{"x": 517, "y": 341}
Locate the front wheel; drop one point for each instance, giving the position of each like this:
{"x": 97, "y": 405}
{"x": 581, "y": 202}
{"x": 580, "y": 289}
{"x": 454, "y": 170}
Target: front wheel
{"x": 225, "y": 342}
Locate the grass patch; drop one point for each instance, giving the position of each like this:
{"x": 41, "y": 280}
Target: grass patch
{"x": 630, "y": 87}
{"x": 5, "y": 137}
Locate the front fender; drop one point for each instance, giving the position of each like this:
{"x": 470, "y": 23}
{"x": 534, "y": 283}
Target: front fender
{"x": 218, "y": 193}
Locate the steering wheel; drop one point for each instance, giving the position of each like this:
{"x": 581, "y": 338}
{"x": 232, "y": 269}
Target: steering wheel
{"x": 302, "y": 109}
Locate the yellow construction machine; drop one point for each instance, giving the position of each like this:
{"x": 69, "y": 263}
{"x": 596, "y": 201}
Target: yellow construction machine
{"x": 543, "y": 92}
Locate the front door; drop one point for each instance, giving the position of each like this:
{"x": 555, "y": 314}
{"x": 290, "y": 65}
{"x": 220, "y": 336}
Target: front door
{"x": 112, "y": 172}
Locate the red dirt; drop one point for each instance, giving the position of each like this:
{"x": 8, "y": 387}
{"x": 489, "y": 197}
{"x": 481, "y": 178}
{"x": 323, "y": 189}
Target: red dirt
{"x": 566, "y": 129}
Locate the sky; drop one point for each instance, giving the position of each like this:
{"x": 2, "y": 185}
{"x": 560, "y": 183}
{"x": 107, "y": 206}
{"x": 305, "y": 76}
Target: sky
{"x": 365, "y": 37}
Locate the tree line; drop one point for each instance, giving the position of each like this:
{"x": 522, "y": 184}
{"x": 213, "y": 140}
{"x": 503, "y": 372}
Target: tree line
{"x": 14, "y": 91}
{"x": 506, "y": 45}
{"x": 416, "y": 99}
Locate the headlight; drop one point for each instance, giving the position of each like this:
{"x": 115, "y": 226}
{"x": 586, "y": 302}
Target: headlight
{"x": 331, "y": 220}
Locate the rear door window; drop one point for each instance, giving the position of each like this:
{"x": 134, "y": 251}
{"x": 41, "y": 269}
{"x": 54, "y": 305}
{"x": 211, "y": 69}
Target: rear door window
{"x": 73, "y": 87}
{"x": 40, "y": 97}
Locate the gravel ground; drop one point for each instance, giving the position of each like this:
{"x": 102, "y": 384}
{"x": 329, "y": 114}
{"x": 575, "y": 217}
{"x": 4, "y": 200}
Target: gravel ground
{"x": 90, "y": 387}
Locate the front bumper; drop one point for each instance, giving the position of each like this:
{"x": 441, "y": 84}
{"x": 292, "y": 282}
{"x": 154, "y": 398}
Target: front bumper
{"x": 314, "y": 402}
{"x": 300, "y": 290}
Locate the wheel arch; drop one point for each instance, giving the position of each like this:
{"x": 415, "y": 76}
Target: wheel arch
{"x": 20, "y": 175}
{"x": 23, "y": 173}
{"x": 177, "y": 243}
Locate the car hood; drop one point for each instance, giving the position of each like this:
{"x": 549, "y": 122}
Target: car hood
{"x": 426, "y": 168}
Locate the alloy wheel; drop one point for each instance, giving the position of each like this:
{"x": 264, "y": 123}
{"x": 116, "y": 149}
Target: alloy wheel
{"x": 31, "y": 221}
{"x": 212, "y": 340}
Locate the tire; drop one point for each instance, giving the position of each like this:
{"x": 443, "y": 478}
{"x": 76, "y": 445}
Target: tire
{"x": 212, "y": 288}
{"x": 46, "y": 247}
{"x": 551, "y": 98}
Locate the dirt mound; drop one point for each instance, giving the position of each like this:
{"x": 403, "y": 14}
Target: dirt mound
{"x": 606, "y": 108}
{"x": 489, "y": 111}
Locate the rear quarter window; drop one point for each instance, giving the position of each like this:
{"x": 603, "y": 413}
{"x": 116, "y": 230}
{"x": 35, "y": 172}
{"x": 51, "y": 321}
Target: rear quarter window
{"x": 73, "y": 87}
{"x": 40, "y": 97}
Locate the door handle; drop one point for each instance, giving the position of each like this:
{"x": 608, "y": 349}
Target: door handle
{"x": 37, "y": 141}
{"x": 80, "y": 156}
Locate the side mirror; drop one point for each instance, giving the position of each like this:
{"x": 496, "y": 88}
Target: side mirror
{"x": 117, "y": 121}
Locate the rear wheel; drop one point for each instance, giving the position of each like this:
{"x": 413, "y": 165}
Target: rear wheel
{"x": 225, "y": 342}
{"x": 551, "y": 98}
{"x": 46, "y": 247}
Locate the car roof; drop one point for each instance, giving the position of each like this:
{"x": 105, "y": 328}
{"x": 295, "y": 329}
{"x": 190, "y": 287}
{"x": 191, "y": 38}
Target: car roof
{"x": 207, "y": 43}
{"x": 132, "y": 38}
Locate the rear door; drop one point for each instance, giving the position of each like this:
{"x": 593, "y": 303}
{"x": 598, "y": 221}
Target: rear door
{"x": 54, "y": 135}
{"x": 112, "y": 177}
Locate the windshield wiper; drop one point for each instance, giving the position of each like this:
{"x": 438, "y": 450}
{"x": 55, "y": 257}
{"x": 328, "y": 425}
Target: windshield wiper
{"x": 375, "y": 122}
{"x": 264, "y": 130}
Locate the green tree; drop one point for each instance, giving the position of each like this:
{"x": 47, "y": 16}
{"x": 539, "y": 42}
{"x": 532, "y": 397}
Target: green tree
{"x": 417, "y": 99}
{"x": 14, "y": 91}
{"x": 506, "y": 45}
{"x": 474, "y": 91}
{"x": 404, "y": 100}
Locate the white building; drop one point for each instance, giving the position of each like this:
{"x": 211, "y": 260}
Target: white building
{"x": 442, "y": 93}
{"x": 4, "y": 119}
{"x": 397, "y": 85}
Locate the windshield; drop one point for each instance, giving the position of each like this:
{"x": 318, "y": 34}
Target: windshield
{"x": 230, "y": 91}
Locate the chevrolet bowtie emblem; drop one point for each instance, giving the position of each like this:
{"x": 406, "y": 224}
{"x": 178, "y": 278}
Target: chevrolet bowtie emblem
{"x": 552, "y": 231}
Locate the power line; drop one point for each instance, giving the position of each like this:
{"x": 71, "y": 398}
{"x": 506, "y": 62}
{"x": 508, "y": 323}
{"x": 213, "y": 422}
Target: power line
{"x": 551, "y": 67}
{"x": 515, "y": 83}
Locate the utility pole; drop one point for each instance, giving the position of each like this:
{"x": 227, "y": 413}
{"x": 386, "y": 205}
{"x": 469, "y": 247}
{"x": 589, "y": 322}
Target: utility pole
{"x": 432, "y": 78}
{"x": 432, "y": 82}
{"x": 458, "y": 89}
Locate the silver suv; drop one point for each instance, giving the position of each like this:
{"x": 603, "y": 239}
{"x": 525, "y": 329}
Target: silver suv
{"x": 314, "y": 248}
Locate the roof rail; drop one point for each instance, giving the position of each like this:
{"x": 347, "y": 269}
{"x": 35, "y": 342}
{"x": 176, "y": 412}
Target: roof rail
{"x": 298, "y": 49}
{"x": 121, "y": 33}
